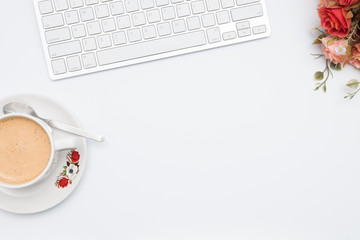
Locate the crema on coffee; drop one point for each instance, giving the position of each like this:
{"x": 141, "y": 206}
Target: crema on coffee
{"x": 25, "y": 150}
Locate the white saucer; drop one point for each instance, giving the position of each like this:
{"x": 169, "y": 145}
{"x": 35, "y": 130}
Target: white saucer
{"x": 46, "y": 194}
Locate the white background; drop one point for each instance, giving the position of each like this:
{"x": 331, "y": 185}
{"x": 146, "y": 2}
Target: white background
{"x": 231, "y": 143}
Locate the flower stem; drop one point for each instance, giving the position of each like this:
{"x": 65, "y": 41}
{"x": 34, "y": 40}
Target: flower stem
{"x": 328, "y": 72}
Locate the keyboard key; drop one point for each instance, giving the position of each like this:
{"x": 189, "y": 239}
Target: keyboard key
{"x": 73, "y": 63}
{"x": 51, "y": 21}
{"x": 138, "y": 19}
{"x": 88, "y": 60}
{"x": 45, "y": 7}
{"x": 242, "y": 13}
{"x": 161, "y": 3}
{"x": 78, "y": 31}
{"x": 177, "y": 1}
{"x": 105, "y": 0}
{"x": 164, "y": 29}
{"x": 116, "y": 8}
{"x": 131, "y": 5}
{"x": 58, "y": 66}
{"x": 178, "y": 26}
{"x": 212, "y": 5}
{"x": 134, "y": 35}
{"x": 91, "y": 2}
{"x": 229, "y": 35}
{"x": 213, "y": 35}
{"x": 71, "y": 17}
{"x": 259, "y": 29}
{"x": 149, "y": 32}
{"x": 61, "y": 5}
{"x": 64, "y": 49}
{"x": 197, "y": 7}
{"x": 193, "y": 23}
{"x": 101, "y": 11}
{"x": 227, "y": 3}
{"x": 208, "y": 20}
{"x": 242, "y": 25}
{"x": 89, "y": 44}
{"x": 223, "y": 17}
{"x": 146, "y": 4}
{"x": 57, "y": 35}
{"x": 153, "y": 16}
{"x": 168, "y": 13}
{"x": 242, "y": 2}
{"x": 104, "y": 41}
{"x": 108, "y": 25}
{"x": 119, "y": 38}
{"x": 123, "y": 22}
{"x": 93, "y": 28}
{"x": 76, "y": 3}
{"x": 183, "y": 10}
{"x": 150, "y": 48}
{"x": 87, "y": 14}
{"x": 244, "y": 32}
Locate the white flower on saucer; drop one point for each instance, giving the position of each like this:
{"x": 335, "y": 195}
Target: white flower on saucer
{"x": 71, "y": 172}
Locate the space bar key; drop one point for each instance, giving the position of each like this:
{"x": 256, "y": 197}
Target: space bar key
{"x": 153, "y": 47}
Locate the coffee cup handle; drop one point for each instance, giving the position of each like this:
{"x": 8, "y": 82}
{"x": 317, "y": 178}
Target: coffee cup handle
{"x": 64, "y": 144}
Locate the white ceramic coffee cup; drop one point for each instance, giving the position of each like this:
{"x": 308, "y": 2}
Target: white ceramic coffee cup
{"x": 57, "y": 144}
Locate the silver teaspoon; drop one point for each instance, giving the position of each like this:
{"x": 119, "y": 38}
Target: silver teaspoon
{"x": 26, "y": 109}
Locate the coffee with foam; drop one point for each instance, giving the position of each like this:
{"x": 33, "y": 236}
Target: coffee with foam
{"x": 25, "y": 150}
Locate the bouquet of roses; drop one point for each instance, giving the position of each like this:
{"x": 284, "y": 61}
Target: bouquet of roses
{"x": 339, "y": 39}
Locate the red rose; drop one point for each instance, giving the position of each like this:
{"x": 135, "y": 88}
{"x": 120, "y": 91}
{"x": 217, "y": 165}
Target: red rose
{"x": 334, "y": 21}
{"x": 75, "y": 156}
{"x": 64, "y": 182}
{"x": 347, "y": 3}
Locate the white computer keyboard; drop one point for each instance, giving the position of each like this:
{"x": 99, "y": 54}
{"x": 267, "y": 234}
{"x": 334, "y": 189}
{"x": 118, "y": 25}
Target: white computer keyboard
{"x": 85, "y": 36}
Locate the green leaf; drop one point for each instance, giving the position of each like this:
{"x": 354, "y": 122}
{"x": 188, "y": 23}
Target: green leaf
{"x": 353, "y": 84}
{"x": 336, "y": 67}
{"x": 319, "y": 76}
{"x": 318, "y": 39}
{"x": 324, "y": 88}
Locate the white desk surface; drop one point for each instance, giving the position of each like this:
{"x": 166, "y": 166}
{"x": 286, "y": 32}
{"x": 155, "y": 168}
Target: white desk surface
{"x": 231, "y": 143}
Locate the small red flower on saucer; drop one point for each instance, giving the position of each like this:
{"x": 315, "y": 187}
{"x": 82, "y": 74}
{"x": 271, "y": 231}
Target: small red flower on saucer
{"x": 70, "y": 170}
{"x": 75, "y": 156}
{"x": 63, "y": 182}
